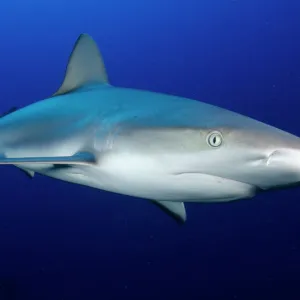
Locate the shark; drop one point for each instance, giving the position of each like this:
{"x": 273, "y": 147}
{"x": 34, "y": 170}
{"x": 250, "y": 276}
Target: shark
{"x": 162, "y": 148}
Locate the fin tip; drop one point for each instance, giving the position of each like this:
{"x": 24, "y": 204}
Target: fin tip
{"x": 176, "y": 210}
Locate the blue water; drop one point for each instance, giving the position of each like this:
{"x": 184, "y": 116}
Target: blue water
{"x": 62, "y": 241}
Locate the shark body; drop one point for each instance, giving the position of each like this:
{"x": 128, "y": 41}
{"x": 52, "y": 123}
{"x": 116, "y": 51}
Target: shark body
{"x": 162, "y": 148}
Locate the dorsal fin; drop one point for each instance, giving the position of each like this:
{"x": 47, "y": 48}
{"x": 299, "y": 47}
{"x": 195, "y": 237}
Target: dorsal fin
{"x": 85, "y": 66}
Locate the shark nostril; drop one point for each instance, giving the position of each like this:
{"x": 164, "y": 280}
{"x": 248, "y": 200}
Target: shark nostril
{"x": 284, "y": 158}
{"x": 271, "y": 156}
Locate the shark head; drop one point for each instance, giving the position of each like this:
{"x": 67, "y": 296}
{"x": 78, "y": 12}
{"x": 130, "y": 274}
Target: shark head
{"x": 219, "y": 150}
{"x": 265, "y": 157}
{"x": 261, "y": 156}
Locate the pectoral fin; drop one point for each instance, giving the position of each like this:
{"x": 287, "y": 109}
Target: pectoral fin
{"x": 82, "y": 158}
{"x": 174, "y": 209}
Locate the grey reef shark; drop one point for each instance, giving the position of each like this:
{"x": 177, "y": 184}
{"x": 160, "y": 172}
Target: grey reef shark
{"x": 163, "y": 148}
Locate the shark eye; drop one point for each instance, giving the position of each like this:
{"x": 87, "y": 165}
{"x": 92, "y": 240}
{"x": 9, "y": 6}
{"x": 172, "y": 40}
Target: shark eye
{"x": 214, "y": 139}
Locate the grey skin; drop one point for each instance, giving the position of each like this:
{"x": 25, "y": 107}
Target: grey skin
{"x": 163, "y": 148}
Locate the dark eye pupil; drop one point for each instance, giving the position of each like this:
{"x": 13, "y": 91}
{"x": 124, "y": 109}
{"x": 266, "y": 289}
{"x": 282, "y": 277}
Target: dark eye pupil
{"x": 214, "y": 139}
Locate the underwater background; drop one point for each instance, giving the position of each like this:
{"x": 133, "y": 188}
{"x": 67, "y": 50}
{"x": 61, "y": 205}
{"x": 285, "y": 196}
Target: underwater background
{"x": 63, "y": 241}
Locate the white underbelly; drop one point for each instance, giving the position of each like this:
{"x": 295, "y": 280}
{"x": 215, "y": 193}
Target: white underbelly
{"x": 134, "y": 178}
{"x": 138, "y": 177}
{"x": 184, "y": 187}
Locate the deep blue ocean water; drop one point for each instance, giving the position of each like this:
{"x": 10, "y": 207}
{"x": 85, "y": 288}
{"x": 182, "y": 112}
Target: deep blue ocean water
{"x": 62, "y": 241}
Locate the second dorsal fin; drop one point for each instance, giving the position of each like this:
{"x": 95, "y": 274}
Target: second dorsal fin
{"x": 85, "y": 66}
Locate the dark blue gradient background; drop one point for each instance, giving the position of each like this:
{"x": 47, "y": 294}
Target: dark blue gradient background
{"x": 62, "y": 241}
